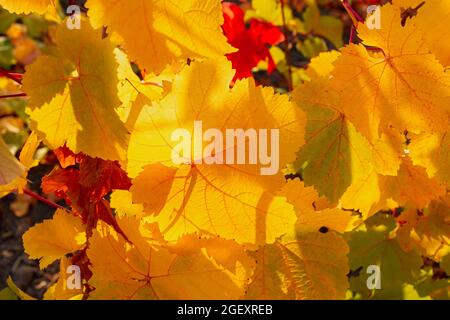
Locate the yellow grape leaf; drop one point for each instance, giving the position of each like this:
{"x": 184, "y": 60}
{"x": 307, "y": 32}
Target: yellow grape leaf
{"x": 157, "y": 178}
{"x": 60, "y": 290}
{"x": 148, "y": 270}
{"x": 337, "y": 159}
{"x": 26, "y": 156}
{"x": 365, "y": 194}
{"x": 432, "y": 151}
{"x": 231, "y": 200}
{"x": 270, "y": 279}
{"x": 304, "y": 199}
{"x": 204, "y": 199}
{"x": 122, "y": 202}
{"x": 428, "y": 231}
{"x": 432, "y": 18}
{"x": 328, "y": 219}
{"x": 322, "y": 65}
{"x": 10, "y": 168}
{"x": 159, "y": 33}
{"x": 52, "y": 239}
{"x": 400, "y": 85}
{"x": 73, "y": 95}
{"x": 27, "y": 160}
{"x": 335, "y": 153}
{"x": 133, "y": 92}
{"x": 374, "y": 245}
{"x": 28, "y": 6}
{"x": 311, "y": 217}
{"x": 412, "y": 185}
{"x": 311, "y": 266}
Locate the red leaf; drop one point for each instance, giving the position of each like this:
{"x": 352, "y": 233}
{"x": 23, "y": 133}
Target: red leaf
{"x": 65, "y": 156}
{"x": 63, "y": 183}
{"x": 85, "y": 188}
{"x": 253, "y": 42}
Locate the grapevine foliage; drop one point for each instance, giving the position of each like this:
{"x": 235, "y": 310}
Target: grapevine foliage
{"x": 364, "y": 151}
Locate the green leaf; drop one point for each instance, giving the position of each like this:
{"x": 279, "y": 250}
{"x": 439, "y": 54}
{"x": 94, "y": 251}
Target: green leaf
{"x": 6, "y": 20}
{"x": 6, "y": 53}
{"x": 335, "y": 154}
{"x": 312, "y": 47}
{"x": 8, "y": 294}
{"x": 374, "y": 244}
{"x": 326, "y": 26}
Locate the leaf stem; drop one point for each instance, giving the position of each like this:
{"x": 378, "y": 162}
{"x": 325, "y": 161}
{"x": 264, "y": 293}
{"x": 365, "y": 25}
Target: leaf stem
{"x": 286, "y": 49}
{"x": 44, "y": 200}
{"x": 16, "y": 95}
{"x": 13, "y": 76}
{"x": 352, "y": 34}
{"x": 352, "y": 12}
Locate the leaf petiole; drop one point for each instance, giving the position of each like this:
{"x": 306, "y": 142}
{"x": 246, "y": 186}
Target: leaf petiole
{"x": 356, "y": 18}
{"x": 15, "y": 95}
{"x": 44, "y": 200}
{"x": 13, "y": 76}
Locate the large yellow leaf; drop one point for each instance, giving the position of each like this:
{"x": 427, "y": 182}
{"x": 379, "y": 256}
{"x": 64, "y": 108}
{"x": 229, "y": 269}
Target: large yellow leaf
{"x": 311, "y": 266}
{"x": 313, "y": 215}
{"x": 191, "y": 269}
{"x": 374, "y": 192}
{"x": 158, "y": 33}
{"x": 304, "y": 199}
{"x": 28, "y": 6}
{"x": 231, "y": 200}
{"x": 27, "y": 161}
{"x": 365, "y": 194}
{"x": 322, "y": 65}
{"x": 401, "y": 84}
{"x": 335, "y": 154}
{"x": 122, "y": 202}
{"x": 60, "y": 290}
{"x": 341, "y": 163}
{"x": 433, "y": 18}
{"x": 133, "y": 92}
{"x": 412, "y": 185}
{"x": 52, "y": 239}
{"x": 10, "y": 168}
{"x": 73, "y": 95}
{"x": 432, "y": 151}
{"x": 427, "y": 231}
